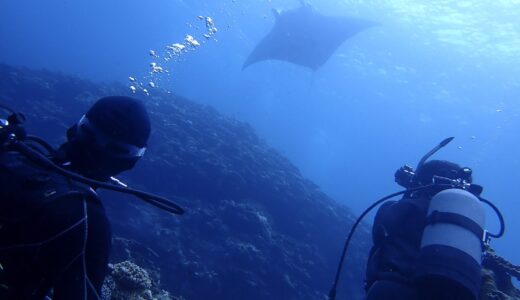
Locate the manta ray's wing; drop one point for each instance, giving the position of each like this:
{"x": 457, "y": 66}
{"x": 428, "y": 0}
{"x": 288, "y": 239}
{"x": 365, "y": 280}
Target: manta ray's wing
{"x": 304, "y": 37}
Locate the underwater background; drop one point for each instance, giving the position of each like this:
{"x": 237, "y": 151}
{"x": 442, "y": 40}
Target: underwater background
{"x": 387, "y": 96}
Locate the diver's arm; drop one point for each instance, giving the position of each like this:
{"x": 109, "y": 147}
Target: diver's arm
{"x": 378, "y": 228}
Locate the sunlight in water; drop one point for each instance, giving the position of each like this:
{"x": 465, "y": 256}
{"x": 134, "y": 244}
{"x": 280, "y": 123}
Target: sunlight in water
{"x": 476, "y": 28}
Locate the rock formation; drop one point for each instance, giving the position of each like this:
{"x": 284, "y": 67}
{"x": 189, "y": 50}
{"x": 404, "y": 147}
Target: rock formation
{"x": 254, "y": 227}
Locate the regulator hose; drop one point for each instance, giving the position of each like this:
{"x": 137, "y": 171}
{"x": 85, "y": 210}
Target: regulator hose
{"x": 500, "y": 218}
{"x": 42, "y": 160}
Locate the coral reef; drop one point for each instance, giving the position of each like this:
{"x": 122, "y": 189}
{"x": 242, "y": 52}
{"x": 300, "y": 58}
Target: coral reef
{"x": 128, "y": 281}
{"x": 254, "y": 227}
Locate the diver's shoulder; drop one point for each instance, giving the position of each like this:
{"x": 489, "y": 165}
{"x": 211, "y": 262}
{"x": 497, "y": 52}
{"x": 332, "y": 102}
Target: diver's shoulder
{"x": 18, "y": 171}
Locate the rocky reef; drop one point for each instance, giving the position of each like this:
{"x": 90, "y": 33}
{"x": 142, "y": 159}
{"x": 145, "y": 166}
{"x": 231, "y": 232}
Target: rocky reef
{"x": 254, "y": 227}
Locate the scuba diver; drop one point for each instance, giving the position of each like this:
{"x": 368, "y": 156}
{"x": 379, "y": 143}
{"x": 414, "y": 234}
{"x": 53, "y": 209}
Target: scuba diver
{"x": 429, "y": 244}
{"x": 397, "y": 235}
{"x": 55, "y": 237}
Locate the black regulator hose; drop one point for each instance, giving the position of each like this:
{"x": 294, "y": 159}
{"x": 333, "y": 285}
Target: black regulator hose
{"x": 39, "y": 158}
{"x": 7, "y": 109}
{"x": 500, "y": 218}
{"x": 333, "y": 290}
{"x": 41, "y": 142}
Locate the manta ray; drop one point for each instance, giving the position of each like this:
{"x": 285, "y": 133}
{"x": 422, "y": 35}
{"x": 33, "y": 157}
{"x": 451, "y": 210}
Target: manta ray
{"x": 305, "y": 37}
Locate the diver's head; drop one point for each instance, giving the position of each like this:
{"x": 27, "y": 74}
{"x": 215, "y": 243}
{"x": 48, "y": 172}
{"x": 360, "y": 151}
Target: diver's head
{"x": 447, "y": 174}
{"x": 109, "y": 139}
{"x": 442, "y": 168}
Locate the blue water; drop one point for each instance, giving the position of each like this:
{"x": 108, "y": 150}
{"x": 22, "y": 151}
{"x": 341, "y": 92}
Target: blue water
{"x": 433, "y": 69}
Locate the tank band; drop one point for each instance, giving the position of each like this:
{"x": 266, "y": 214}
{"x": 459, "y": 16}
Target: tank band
{"x": 456, "y": 219}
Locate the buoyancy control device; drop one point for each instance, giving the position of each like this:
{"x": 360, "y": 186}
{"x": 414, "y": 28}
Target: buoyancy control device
{"x": 454, "y": 237}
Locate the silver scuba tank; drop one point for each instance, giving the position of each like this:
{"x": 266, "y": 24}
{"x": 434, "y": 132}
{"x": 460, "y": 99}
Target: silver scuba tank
{"x": 452, "y": 241}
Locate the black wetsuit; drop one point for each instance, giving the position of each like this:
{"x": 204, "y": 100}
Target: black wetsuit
{"x": 397, "y": 234}
{"x": 54, "y": 235}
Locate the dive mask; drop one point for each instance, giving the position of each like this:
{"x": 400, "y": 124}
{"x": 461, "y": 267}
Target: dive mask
{"x": 88, "y": 132}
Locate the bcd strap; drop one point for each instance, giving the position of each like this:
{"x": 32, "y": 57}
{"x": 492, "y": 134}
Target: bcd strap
{"x": 456, "y": 219}
{"x": 64, "y": 188}
{"x": 52, "y": 195}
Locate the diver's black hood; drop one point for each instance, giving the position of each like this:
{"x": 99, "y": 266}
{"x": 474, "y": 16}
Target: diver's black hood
{"x": 122, "y": 118}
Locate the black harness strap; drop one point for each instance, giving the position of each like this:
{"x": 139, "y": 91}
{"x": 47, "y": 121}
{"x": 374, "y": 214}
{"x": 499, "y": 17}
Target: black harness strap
{"x": 456, "y": 219}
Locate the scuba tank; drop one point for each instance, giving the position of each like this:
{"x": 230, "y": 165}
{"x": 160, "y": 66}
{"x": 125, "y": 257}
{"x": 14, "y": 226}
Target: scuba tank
{"x": 452, "y": 241}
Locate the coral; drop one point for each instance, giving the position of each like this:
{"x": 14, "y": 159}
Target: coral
{"x": 496, "y": 278}
{"x": 130, "y": 276}
{"x": 129, "y": 281}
